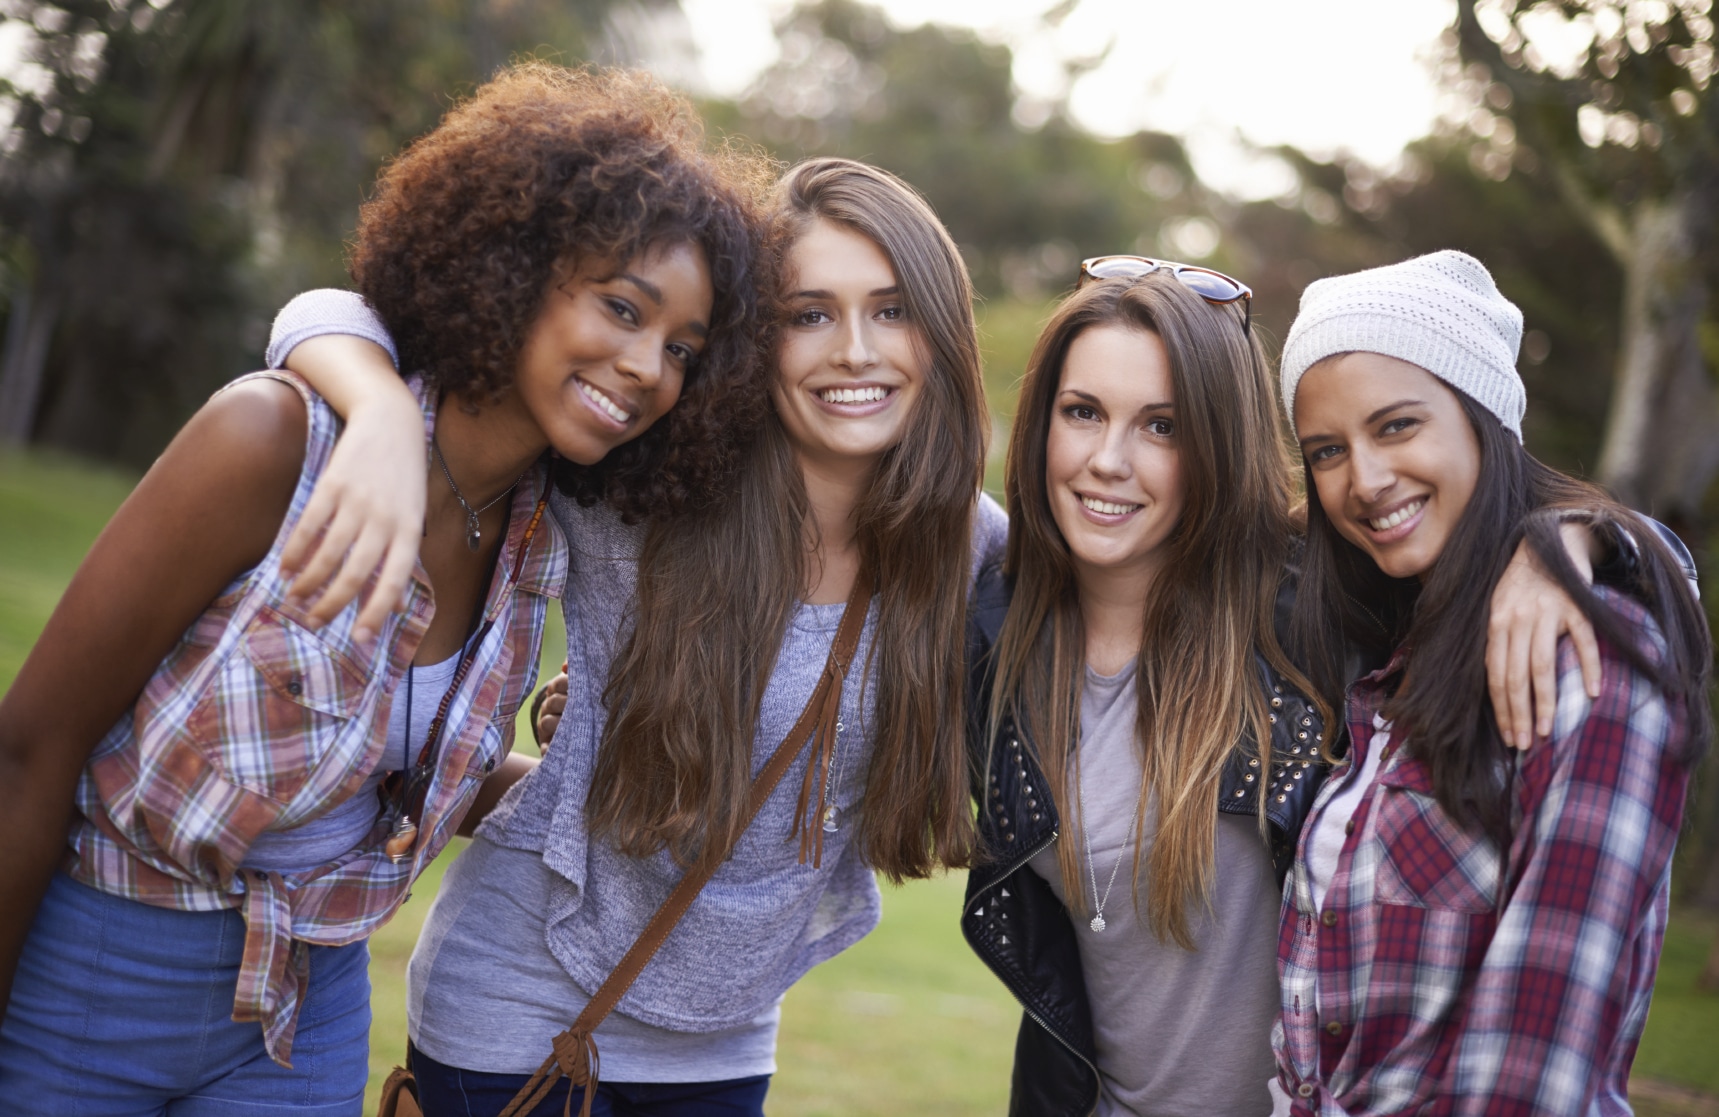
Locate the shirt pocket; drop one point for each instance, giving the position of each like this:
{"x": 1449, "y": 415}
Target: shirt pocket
{"x": 292, "y": 714}
{"x": 1428, "y": 861}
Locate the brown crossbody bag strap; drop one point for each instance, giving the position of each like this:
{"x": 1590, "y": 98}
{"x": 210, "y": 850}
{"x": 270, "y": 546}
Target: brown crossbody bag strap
{"x": 575, "y": 1050}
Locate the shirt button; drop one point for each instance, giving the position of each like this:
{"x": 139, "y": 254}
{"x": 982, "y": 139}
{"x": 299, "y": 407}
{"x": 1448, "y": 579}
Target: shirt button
{"x": 295, "y": 686}
{"x": 1329, "y": 919}
{"x": 1334, "y": 1028}
{"x": 1305, "y": 1090}
{"x": 1349, "y": 827}
{"x": 489, "y": 766}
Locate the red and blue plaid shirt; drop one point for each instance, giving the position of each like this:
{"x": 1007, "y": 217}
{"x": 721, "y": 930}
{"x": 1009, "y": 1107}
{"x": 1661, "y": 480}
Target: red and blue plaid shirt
{"x": 1439, "y": 978}
{"x": 259, "y": 720}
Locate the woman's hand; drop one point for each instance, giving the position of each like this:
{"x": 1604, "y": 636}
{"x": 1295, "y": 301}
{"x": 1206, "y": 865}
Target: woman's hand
{"x": 366, "y": 515}
{"x": 551, "y": 700}
{"x": 1530, "y": 612}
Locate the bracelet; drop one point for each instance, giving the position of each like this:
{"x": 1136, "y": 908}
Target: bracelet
{"x": 536, "y": 709}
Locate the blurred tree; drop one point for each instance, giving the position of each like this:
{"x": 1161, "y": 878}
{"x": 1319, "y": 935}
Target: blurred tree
{"x": 173, "y": 169}
{"x": 1614, "y": 98}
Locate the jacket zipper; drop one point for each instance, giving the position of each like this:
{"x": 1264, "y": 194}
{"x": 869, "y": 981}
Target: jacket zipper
{"x": 1026, "y": 1008}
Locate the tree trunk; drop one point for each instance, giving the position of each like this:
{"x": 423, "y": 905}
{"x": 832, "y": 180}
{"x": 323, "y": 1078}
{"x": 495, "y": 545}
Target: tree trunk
{"x": 1661, "y": 446}
{"x": 29, "y": 329}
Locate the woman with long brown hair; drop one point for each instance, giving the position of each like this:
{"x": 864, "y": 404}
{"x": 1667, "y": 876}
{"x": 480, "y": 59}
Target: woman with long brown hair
{"x": 694, "y": 643}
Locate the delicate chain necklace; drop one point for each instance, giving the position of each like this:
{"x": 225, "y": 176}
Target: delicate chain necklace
{"x": 1098, "y": 902}
{"x": 474, "y": 536}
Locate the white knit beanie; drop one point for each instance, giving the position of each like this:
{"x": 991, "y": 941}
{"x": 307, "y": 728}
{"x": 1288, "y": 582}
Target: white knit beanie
{"x": 1441, "y": 312}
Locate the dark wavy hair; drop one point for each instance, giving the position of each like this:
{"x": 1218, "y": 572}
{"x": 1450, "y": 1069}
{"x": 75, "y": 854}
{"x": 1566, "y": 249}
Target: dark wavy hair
{"x": 540, "y": 170}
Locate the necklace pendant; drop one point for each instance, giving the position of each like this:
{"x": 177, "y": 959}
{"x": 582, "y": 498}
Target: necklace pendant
{"x": 1098, "y": 923}
{"x": 474, "y": 537}
{"x": 830, "y": 820}
{"x": 399, "y": 845}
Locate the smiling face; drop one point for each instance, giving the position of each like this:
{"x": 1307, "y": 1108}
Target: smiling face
{"x": 1392, "y": 455}
{"x": 607, "y": 355}
{"x": 1113, "y": 471}
{"x": 848, "y": 365}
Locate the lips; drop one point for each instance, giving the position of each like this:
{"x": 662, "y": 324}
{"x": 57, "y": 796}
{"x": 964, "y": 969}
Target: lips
{"x": 1109, "y": 507}
{"x": 604, "y": 403}
{"x": 1400, "y": 516}
{"x": 873, "y": 393}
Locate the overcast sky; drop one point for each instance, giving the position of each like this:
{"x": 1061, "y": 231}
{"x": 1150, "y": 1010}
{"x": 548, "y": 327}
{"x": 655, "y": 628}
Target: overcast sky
{"x": 1323, "y": 75}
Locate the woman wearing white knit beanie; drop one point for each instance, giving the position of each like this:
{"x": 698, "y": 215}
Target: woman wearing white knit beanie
{"x": 1468, "y": 928}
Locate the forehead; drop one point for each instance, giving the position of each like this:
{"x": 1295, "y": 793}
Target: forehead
{"x": 1347, "y": 387}
{"x": 829, "y": 256}
{"x": 1119, "y": 364}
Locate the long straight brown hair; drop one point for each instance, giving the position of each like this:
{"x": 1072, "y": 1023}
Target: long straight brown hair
{"x": 716, "y": 589}
{"x": 1209, "y": 607}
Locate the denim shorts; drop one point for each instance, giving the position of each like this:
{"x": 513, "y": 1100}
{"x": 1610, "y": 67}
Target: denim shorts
{"x": 121, "y": 1008}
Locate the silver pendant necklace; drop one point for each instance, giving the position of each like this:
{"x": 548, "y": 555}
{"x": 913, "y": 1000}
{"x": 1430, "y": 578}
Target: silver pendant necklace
{"x": 474, "y": 536}
{"x": 1098, "y": 901}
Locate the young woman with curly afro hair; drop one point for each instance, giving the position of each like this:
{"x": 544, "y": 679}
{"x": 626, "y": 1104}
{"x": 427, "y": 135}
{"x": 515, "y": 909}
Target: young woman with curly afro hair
{"x": 199, "y": 847}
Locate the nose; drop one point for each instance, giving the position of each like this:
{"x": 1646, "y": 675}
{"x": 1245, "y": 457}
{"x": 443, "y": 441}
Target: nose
{"x": 643, "y": 361}
{"x": 1110, "y": 454}
{"x": 1370, "y": 474}
{"x": 856, "y": 351}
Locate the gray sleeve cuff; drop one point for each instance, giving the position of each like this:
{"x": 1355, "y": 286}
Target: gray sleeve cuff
{"x": 325, "y": 311}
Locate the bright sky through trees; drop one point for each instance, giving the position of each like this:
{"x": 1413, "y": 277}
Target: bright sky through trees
{"x": 1322, "y": 75}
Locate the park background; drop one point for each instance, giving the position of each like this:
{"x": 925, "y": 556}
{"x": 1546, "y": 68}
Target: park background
{"x": 171, "y": 171}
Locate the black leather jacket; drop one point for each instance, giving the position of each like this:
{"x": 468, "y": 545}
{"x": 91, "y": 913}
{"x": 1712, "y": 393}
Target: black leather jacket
{"x": 1013, "y": 920}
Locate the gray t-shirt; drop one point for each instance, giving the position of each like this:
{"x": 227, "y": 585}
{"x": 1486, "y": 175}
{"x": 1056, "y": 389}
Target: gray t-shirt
{"x": 1179, "y": 1033}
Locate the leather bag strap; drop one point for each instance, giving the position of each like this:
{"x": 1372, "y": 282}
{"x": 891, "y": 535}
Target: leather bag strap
{"x": 575, "y": 1050}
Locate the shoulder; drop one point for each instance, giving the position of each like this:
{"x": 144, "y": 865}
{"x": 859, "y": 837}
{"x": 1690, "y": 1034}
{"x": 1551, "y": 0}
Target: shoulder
{"x": 254, "y": 428}
{"x": 990, "y": 533}
{"x": 1633, "y": 714}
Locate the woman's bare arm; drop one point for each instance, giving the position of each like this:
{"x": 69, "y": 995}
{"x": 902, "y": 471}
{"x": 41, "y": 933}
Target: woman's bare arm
{"x": 208, "y": 510}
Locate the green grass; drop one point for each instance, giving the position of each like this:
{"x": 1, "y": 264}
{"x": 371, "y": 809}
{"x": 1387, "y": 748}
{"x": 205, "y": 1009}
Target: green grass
{"x": 907, "y": 1021}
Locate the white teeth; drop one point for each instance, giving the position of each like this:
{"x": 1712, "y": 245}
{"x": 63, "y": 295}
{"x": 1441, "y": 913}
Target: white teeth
{"x": 852, "y": 395}
{"x": 1105, "y": 507}
{"x": 604, "y": 404}
{"x": 1401, "y": 515}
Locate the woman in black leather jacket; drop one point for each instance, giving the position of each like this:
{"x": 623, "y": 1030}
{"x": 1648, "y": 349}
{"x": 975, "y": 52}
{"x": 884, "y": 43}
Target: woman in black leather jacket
{"x": 1151, "y": 549}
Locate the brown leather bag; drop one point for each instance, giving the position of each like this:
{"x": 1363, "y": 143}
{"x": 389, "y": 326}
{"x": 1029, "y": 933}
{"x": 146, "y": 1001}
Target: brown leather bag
{"x": 574, "y": 1051}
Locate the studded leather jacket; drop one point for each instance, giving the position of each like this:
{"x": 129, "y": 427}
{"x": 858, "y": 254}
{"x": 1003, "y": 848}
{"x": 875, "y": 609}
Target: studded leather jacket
{"x": 1013, "y": 920}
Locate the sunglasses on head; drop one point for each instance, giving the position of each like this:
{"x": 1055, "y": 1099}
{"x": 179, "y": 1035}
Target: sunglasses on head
{"x": 1213, "y": 286}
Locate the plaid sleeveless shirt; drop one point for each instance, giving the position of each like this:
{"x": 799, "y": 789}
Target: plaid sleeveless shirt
{"x": 256, "y": 722}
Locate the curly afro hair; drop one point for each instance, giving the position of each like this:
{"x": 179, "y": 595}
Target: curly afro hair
{"x": 541, "y": 169}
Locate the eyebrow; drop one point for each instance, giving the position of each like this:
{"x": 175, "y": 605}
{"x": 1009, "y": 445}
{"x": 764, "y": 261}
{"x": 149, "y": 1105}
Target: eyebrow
{"x": 1088, "y": 397}
{"x": 650, "y": 289}
{"x": 1368, "y": 421}
{"x": 1390, "y": 407}
{"x": 874, "y": 293}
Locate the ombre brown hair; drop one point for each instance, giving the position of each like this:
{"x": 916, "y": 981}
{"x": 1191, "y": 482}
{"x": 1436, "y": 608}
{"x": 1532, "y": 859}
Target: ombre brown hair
{"x": 716, "y": 589}
{"x": 1209, "y": 608}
